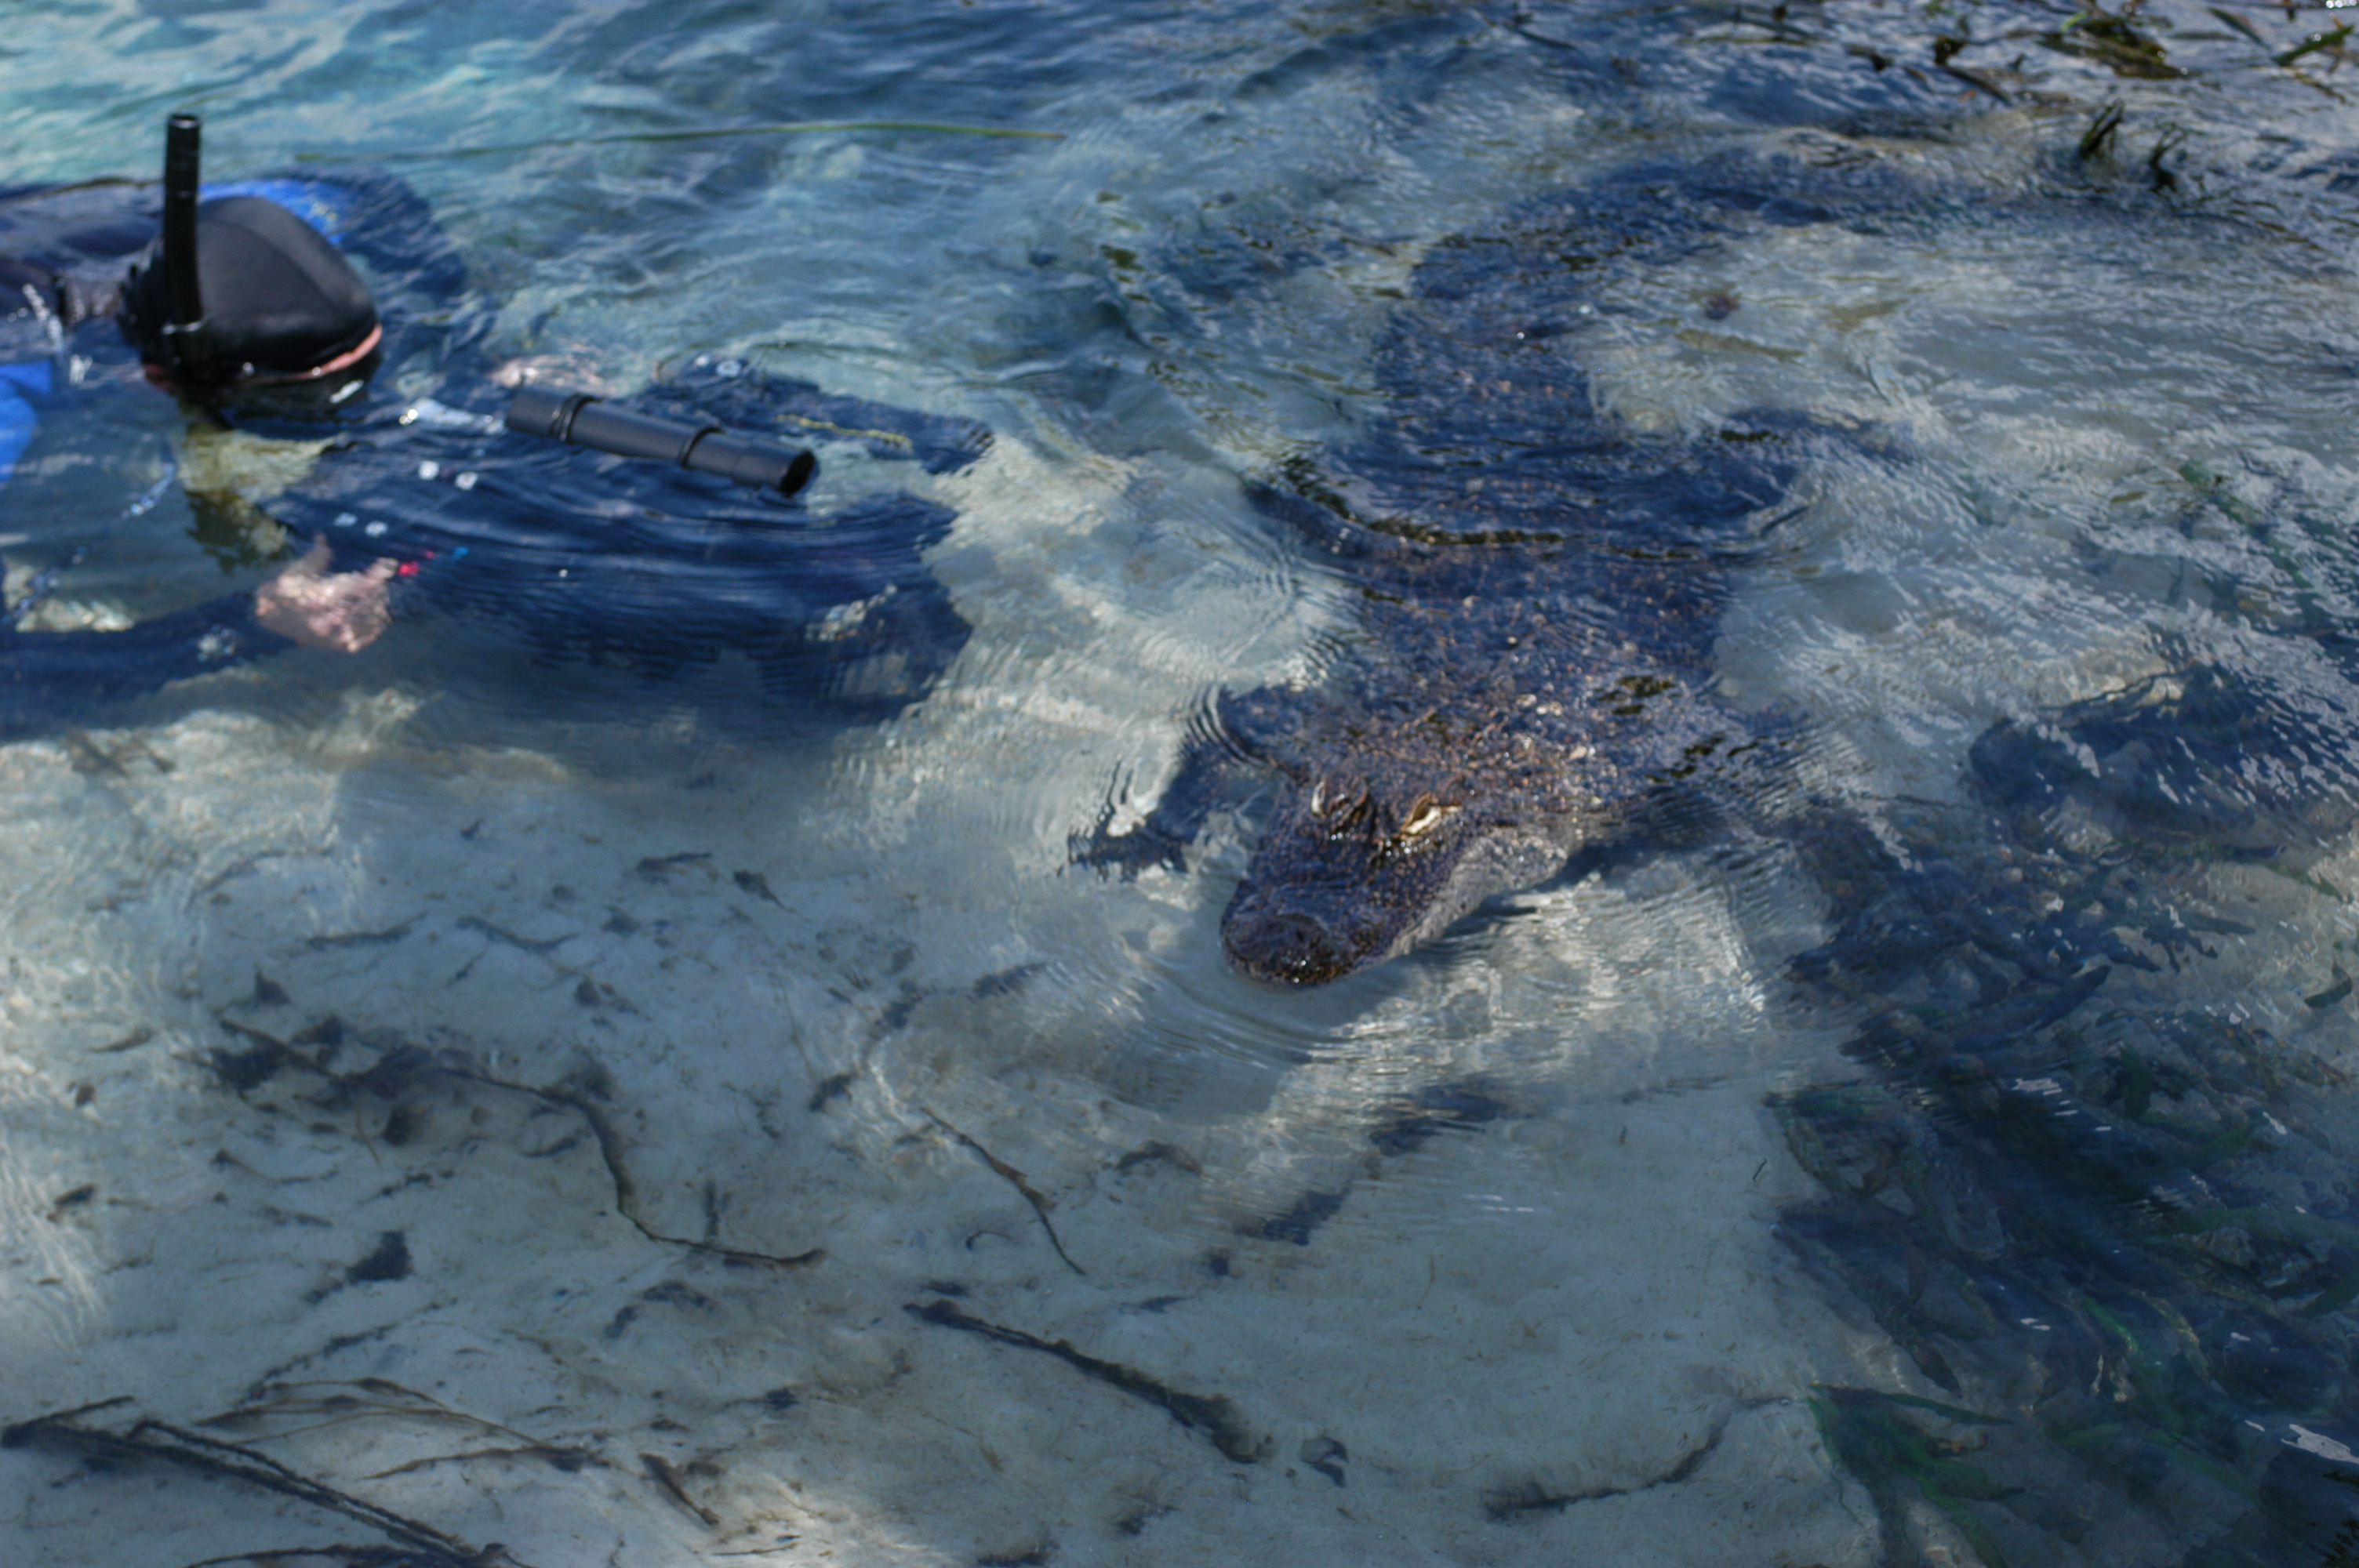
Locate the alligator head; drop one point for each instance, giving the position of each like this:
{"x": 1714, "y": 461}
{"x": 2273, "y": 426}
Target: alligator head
{"x": 1376, "y": 850}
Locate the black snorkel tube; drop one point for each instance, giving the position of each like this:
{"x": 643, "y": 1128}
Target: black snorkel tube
{"x": 187, "y": 344}
{"x": 582, "y": 420}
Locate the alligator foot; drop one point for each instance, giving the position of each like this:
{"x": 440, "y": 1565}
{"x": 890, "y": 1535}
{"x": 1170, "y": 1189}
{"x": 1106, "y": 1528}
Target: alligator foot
{"x": 1151, "y": 843}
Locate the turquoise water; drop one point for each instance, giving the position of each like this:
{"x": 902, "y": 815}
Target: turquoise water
{"x": 715, "y": 1075}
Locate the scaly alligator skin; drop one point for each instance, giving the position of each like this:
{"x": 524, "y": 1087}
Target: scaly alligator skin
{"x": 1539, "y": 591}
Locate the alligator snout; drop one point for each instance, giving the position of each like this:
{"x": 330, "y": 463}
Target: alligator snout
{"x": 1344, "y": 875}
{"x": 1289, "y": 946}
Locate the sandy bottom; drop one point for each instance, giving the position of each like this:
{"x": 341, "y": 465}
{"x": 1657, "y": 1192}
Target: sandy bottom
{"x": 648, "y": 1144}
{"x": 616, "y": 1206}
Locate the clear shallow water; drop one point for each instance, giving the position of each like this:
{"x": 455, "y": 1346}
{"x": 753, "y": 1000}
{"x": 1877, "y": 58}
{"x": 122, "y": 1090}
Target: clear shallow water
{"x": 1518, "y": 1249}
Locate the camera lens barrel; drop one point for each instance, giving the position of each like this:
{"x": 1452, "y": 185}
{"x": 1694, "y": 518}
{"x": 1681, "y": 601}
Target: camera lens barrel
{"x": 582, "y": 420}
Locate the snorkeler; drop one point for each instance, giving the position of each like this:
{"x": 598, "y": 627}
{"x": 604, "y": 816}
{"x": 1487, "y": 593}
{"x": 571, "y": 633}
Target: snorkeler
{"x": 248, "y": 307}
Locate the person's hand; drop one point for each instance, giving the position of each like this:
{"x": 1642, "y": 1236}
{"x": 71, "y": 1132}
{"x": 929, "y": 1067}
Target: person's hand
{"x": 340, "y": 612}
{"x": 574, "y": 370}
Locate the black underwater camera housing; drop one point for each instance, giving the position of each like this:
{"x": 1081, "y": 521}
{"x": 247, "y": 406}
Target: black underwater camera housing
{"x": 582, "y": 420}
{"x": 286, "y": 306}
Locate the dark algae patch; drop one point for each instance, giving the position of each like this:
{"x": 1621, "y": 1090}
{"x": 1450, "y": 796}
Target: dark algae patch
{"x": 388, "y": 1260}
{"x": 1211, "y": 1415}
{"x": 1894, "y": 1453}
{"x": 2119, "y": 42}
{"x": 1436, "y": 1109}
{"x": 398, "y": 1080}
{"x": 101, "y": 1437}
{"x": 1298, "y": 1224}
{"x": 675, "y": 1486}
{"x": 1506, "y": 1504}
{"x": 111, "y": 1435}
{"x": 1041, "y": 1202}
{"x": 1407, "y": 1126}
{"x": 2114, "y": 1230}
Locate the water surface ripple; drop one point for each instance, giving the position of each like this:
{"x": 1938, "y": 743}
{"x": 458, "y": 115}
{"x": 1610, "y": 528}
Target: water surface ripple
{"x": 483, "y": 1094}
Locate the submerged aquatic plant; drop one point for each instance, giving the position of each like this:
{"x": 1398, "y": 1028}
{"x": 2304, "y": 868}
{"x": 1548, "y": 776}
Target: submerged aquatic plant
{"x": 2115, "y": 1225}
{"x": 2118, "y": 1218}
{"x": 2115, "y": 41}
{"x": 1876, "y": 1441}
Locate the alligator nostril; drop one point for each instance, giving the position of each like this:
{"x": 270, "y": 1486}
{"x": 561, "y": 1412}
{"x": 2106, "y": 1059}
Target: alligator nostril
{"x": 1291, "y": 946}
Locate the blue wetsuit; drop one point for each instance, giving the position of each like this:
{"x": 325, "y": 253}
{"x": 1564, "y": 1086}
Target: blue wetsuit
{"x": 20, "y": 383}
{"x": 589, "y": 555}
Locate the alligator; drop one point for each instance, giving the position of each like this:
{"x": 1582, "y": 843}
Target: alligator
{"x": 1530, "y": 675}
{"x": 2110, "y": 1224}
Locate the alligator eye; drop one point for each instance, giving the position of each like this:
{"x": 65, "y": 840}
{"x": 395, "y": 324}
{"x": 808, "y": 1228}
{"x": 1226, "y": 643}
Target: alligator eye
{"x": 1425, "y": 816}
{"x": 1343, "y": 815}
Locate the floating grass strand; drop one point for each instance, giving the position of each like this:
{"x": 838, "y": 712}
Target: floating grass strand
{"x": 2100, "y": 131}
{"x": 2242, "y": 26}
{"x": 702, "y": 133}
{"x": 2314, "y": 43}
